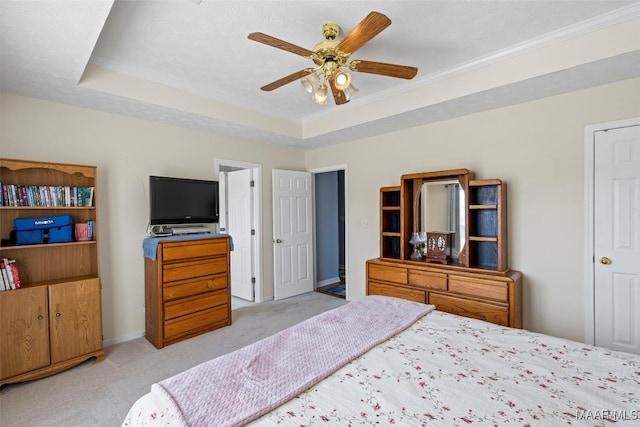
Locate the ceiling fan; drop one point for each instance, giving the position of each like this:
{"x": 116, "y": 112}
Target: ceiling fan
{"x": 331, "y": 56}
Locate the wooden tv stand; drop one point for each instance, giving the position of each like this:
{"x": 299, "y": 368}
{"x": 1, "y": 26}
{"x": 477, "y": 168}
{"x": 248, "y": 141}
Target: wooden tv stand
{"x": 187, "y": 289}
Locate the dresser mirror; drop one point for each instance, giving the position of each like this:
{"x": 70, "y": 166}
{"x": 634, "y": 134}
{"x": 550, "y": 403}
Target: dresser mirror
{"x": 436, "y": 202}
{"x": 445, "y": 217}
{"x": 441, "y": 207}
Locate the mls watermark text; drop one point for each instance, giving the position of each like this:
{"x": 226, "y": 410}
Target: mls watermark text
{"x": 608, "y": 414}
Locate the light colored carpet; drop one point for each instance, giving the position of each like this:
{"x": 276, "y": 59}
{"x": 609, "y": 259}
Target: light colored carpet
{"x": 100, "y": 394}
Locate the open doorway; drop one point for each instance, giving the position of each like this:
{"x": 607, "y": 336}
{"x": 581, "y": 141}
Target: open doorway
{"x": 241, "y": 217}
{"x": 330, "y": 236}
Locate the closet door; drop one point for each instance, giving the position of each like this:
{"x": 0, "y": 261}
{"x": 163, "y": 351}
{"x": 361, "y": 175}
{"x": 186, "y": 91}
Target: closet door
{"x": 617, "y": 238}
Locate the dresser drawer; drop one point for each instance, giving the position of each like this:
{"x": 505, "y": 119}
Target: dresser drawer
{"x": 481, "y": 288}
{"x": 191, "y": 324}
{"x": 428, "y": 280}
{"x": 183, "y": 306}
{"x": 193, "y": 249}
{"x": 191, "y": 269}
{"x": 173, "y": 290}
{"x": 397, "y": 291}
{"x": 387, "y": 273}
{"x": 468, "y": 308}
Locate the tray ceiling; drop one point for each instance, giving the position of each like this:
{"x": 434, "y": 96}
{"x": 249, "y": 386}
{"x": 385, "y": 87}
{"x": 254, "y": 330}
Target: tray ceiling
{"x": 189, "y": 62}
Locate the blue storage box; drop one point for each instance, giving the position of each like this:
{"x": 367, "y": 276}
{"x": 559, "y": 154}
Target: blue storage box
{"x": 51, "y": 229}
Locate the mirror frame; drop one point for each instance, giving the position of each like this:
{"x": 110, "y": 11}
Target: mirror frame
{"x": 411, "y": 185}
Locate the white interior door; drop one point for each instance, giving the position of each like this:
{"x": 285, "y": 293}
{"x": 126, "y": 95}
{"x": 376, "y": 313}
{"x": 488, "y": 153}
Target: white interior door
{"x": 292, "y": 233}
{"x": 239, "y": 227}
{"x": 617, "y": 238}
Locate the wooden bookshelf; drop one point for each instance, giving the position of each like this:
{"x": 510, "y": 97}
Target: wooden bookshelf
{"x": 54, "y": 321}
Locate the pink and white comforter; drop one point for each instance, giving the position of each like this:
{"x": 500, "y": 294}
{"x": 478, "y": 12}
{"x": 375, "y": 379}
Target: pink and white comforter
{"x": 447, "y": 370}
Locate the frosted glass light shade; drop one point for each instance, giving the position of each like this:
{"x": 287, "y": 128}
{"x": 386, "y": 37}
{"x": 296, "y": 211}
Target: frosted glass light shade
{"x": 348, "y": 92}
{"x": 320, "y": 97}
{"x": 342, "y": 80}
{"x": 309, "y": 82}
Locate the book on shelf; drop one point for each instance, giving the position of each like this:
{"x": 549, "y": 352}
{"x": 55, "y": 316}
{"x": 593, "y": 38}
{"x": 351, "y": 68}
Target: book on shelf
{"x": 15, "y": 272}
{"x": 45, "y": 196}
{"x": 7, "y": 268}
{"x": 5, "y": 279}
{"x": 89, "y": 196}
{"x": 9, "y": 275}
{"x": 2, "y": 284}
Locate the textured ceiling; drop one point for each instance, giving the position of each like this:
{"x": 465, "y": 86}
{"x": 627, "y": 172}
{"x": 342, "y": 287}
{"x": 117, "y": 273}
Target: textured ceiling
{"x": 189, "y": 62}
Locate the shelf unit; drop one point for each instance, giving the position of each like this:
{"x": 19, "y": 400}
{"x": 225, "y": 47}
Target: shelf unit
{"x": 390, "y": 222}
{"x": 60, "y": 315}
{"x": 487, "y": 224}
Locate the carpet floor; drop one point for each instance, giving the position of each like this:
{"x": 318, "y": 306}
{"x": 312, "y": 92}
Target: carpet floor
{"x": 100, "y": 394}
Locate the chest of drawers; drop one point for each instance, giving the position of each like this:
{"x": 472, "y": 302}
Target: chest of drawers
{"x": 187, "y": 289}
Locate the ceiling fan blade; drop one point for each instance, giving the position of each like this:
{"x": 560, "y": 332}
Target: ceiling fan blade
{"x": 367, "y": 29}
{"x": 287, "y": 79}
{"x": 338, "y": 96}
{"x": 280, "y": 44}
{"x": 391, "y": 70}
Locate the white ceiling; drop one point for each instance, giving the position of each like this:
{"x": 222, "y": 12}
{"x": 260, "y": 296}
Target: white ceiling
{"x": 189, "y": 62}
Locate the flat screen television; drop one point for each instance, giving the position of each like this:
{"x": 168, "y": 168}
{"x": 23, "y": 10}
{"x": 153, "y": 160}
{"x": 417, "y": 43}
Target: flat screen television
{"x": 182, "y": 201}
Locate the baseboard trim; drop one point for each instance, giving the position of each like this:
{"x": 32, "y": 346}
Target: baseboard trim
{"x": 119, "y": 340}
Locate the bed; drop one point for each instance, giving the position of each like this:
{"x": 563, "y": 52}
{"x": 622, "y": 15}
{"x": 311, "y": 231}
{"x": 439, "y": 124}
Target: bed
{"x": 386, "y": 361}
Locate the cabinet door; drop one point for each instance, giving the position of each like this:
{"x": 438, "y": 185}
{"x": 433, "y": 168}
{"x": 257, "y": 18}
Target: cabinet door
{"x": 24, "y": 331}
{"x": 76, "y": 319}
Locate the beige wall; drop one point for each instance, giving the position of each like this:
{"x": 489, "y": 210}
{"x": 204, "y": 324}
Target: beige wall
{"x": 127, "y": 151}
{"x": 536, "y": 147}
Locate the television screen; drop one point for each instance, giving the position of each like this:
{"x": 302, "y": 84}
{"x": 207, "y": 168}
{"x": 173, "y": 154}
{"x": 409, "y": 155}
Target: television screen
{"x": 182, "y": 201}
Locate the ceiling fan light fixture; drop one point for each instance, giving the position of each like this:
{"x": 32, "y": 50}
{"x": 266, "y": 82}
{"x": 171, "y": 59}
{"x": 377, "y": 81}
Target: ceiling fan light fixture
{"x": 320, "y": 97}
{"x": 309, "y": 82}
{"x": 342, "y": 80}
{"x": 331, "y": 55}
{"x": 349, "y": 91}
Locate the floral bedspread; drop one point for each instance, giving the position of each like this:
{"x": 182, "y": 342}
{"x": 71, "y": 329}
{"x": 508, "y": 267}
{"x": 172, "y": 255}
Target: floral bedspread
{"x": 447, "y": 370}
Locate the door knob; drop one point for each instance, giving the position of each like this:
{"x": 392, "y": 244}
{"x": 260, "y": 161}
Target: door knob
{"x": 278, "y": 241}
{"x": 604, "y": 260}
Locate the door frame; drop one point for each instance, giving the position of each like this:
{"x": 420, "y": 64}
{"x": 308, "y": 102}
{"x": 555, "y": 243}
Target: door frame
{"x": 257, "y": 217}
{"x": 334, "y": 168}
{"x": 589, "y": 220}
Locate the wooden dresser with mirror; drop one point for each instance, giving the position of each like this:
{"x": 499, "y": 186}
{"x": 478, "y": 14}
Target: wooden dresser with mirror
{"x": 443, "y": 241}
